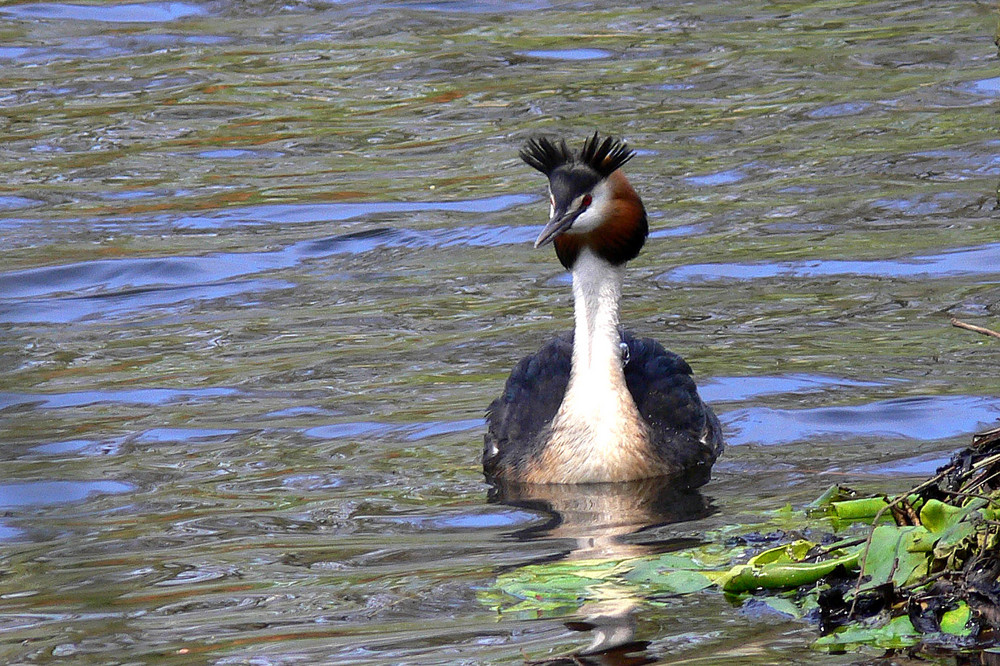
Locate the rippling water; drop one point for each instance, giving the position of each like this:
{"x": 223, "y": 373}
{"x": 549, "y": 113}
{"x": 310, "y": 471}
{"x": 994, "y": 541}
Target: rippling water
{"x": 265, "y": 264}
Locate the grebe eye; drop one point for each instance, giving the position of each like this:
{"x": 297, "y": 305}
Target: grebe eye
{"x": 587, "y": 200}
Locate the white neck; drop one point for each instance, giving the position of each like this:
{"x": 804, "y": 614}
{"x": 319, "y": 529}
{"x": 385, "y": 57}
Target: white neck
{"x": 597, "y": 291}
{"x": 597, "y": 434}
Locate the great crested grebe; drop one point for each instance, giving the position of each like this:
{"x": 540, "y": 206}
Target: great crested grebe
{"x": 597, "y": 404}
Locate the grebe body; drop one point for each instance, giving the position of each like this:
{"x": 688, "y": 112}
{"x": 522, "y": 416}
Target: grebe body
{"x": 597, "y": 404}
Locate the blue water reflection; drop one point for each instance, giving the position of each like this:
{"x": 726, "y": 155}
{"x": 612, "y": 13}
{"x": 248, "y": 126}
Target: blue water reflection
{"x": 925, "y": 418}
{"x": 568, "y": 54}
{"x": 145, "y": 12}
{"x": 976, "y": 260}
{"x": 731, "y": 389}
{"x": 719, "y": 178}
{"x": 47, "y": 493}
{"x": 138, "y": 396}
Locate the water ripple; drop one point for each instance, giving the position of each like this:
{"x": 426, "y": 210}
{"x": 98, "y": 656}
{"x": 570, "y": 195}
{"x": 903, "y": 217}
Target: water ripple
{"x": 731, "y": 389}
{"x": 46, "y": 493}
{"x": 160, "y": 435}
{"x": 102, "y": 306}
{"x": 976, "y": 260}
{"x": 139, "y": 396}
{"x": 144, "y": 12}
{"x": 105, "y": 287}
{"x": 924, "y": 418}
{"x": 484, "y": 518}
{"x": 839, "y": 110}
{"x": 410, "y": 431}
{"x": 924, "y": 466}
{"x": 335, "y": 212}
{"x": 568, "y": 54}
{"x": 986, "y": 86}
{"x": 720, "y": 178}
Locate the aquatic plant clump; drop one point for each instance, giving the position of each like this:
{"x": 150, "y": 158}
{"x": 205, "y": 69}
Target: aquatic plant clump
{"x": 921, "y": 569}
{"x": 932, "y": 576}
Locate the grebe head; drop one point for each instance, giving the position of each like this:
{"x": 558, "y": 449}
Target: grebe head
{"x": 591, "y": 203}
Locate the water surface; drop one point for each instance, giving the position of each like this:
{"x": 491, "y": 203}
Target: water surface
{"x": 265, "y": 264}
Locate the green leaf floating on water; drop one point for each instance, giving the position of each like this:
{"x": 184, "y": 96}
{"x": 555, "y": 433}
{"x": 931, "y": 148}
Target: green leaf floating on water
{"x": 898, "y": 632}
{"x": 829, "y": 495}
{"x": 897, "y": 554}
{"x": 937, "y": 516}
{"x": 859, "y": 509}
{"x": 781, "y": 567}
{"x": 956, "y": 620}
{"x": 793, "y": 552}
{"x": 682, "y": 582}
{"x": 545, "y": 587}
{"x": 649, "y": 571}
{"x": 784, "y": 606}
{"x": 951, "y": 524}
{"x": 747, "y": 577}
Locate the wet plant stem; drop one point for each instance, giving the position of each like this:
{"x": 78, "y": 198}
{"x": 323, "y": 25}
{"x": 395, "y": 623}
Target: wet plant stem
{"x": 837, "y": 546}
{"x": 955, "y": 493}
{"x": 925, "y": 581}
{"x": 983, "y": 481}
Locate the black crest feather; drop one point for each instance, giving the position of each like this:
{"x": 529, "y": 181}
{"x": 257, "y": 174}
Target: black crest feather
{"x": 546, "y": 156}
{"x": 607, "y": 156}
{"x": 604, "y": 157}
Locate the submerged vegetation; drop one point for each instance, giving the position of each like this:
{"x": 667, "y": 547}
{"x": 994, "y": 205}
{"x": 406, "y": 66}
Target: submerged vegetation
{"x": 920, "y": 570}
